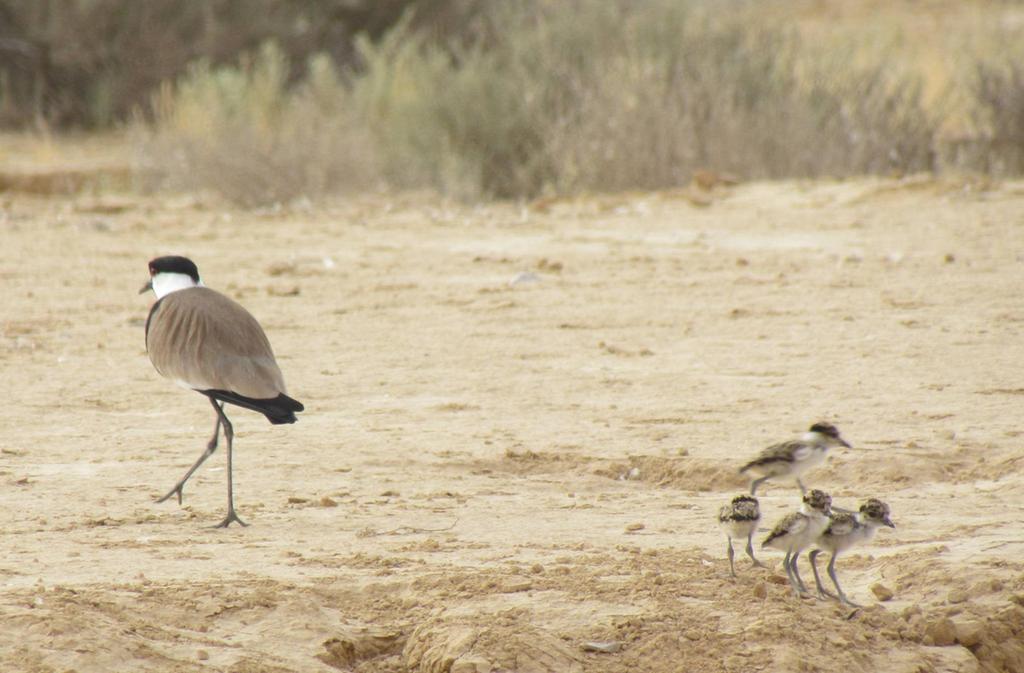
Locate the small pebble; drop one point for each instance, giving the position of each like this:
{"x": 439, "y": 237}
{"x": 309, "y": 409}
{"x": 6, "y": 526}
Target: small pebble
{"x": 524, "y": 277}
{"x": 607, "y": 647}
{"x": 760, "y": 590}
{"x": 516, "y": 587}
{"x": 910, "y": 611}
{"x": 633, "y": 527}
{"x": 882, "y": 592}
{"x": 202, "y": 655}
{"x": 957, "y": 596}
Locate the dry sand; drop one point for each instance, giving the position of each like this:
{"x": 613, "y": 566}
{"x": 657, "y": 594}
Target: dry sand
{"x": 477, "y": 382}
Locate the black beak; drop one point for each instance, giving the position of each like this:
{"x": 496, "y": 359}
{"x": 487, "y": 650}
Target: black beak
{"x": 147, "y": 287}
{"x": 888, "y": 523}
{"x": 845, "y": 443}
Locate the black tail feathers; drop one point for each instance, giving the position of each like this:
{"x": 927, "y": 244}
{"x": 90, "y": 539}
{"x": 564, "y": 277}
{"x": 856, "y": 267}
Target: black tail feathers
{"x": 278, "y": 410}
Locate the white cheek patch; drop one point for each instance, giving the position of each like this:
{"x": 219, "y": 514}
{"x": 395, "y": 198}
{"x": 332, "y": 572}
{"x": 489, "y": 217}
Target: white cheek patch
{"x": 166, "y": 282}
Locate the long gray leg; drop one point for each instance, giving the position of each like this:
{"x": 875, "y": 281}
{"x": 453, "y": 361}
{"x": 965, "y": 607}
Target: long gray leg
{"x": 754, "y": 484}
{"x": 732, "y": 568}
{"x": 803, "y": 489}
{"x": 750, "y": 550}
{"x": 796, "y": 574}
{"x": 822, "y": 592}
{"x": 229, "y": 435}
{"x": 211, "y": 446}
{"x": 832, "y": 573}
{"x": 789, "y": 574}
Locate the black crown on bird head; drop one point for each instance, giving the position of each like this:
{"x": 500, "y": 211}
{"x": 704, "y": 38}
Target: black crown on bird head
{"x": 174, "y": 264}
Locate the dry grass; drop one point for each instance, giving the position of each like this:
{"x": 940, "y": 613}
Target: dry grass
{"x": 244, "y": 133}
{"x": 545, "y": 97}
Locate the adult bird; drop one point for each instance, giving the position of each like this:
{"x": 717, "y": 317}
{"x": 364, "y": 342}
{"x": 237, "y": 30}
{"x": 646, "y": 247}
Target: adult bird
{"x": 206, "y": 342}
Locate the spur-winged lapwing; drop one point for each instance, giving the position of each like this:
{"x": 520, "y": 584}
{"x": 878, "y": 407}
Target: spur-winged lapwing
{"x": 846, "y": 530}
{"x": 797, "y": 531}
{"x": 206, "y": 342}
{"x": 793, "y": 458}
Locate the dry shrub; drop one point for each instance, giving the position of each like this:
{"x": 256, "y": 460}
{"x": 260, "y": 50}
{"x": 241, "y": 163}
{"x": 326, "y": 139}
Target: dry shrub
{"x": 617, "y": 95}
{"x": 244, "y": 133}
{"x": 998, "y": 95}
{"x": 461, "y": 119}
{"x": 545, "y": 96}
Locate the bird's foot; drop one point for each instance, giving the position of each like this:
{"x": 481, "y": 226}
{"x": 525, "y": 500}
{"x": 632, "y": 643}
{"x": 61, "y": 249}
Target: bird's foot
{"x": 848, "y": 603}
{"x": 758, "y": 564}
{"x": 825, "y": 594}
{"x": 177, "y": 489}
{"x": 229, "y": 518}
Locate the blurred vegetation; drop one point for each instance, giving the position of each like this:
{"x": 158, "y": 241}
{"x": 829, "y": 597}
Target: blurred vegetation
{"x": 89, "y": 63}
{"x": 246, "y": 133}
{"x": 267, "y": 101}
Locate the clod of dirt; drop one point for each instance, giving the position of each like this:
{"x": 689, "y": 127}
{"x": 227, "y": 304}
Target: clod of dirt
{"x": 882, "y": 592}
{"x": 957, "y": 596}
{"x": 471, "y": 664}
{"x": 969, "y": 632}
{"x": 761, "y": 590}
{"x": 283, "y": 291}
{"x": 461, "y": 648}
{"x": 940, "y": 632}
{"x": 436, "y": 649}
{"x": 281, "y": 268}
{"x": 545, "y": 265}
{"x": 516, "y": 587}
{"x": 356, "y": 642}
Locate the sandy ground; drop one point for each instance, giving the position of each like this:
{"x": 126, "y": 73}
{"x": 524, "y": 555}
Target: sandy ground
{"x": 479, "y": 384}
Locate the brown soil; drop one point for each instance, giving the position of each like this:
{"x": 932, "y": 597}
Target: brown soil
{"x": 520, "y": 423}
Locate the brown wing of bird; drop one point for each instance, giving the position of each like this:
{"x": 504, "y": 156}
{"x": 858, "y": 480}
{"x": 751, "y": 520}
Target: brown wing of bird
{"x": 782, "y": 453}
{"x": 207, "y": 341}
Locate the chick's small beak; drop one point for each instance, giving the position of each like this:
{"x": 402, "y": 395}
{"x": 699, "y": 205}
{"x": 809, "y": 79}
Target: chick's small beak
{"x": 148, "y": 286}
{"x": 889, "y": 523}
{"x": 845, "y": 443}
